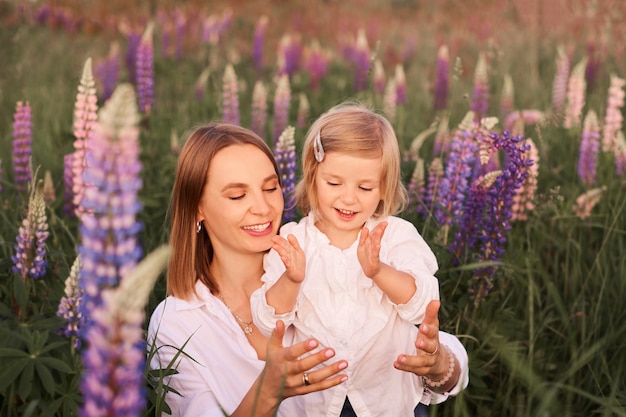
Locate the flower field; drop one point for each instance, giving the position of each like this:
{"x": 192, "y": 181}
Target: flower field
{"x": 509, "y": 114}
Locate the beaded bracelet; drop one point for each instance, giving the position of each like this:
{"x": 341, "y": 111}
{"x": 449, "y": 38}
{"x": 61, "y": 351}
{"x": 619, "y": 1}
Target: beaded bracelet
{"x": 434, "y": 385}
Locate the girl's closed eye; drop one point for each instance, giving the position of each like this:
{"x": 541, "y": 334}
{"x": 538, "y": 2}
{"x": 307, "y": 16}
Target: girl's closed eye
{"x": 332, "y": 184}
{"x": 365, "y": 188}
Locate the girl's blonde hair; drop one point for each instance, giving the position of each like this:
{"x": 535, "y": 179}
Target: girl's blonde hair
{"x": 354, "y": 129}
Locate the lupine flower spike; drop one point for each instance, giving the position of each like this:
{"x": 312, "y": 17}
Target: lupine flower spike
{"x": 68, "y": 196}
{"x": 480, "y": 100}
{"x": 620, "y": 154}
{"x": 174, "y": 143}
{"x": 285, "y": 154}
{"x": 361, "y": 61}
{"x": 589, "y": 149}
{"x": 400, "y": 81}
{"x": 379, "y": 77}
{"x": 525, "y": 117}
{"x": 613, "y": 118}
{"x": 389, "y": 101}
{"x": 523, "y": 200}
{"x": 109, "y": 227}
{"x": 30, "y": 250}
{"x": 587, "y": 201}
{"x": 316, "y": 63}
{"x": 85, "y": 117}
{"x": 507, "y": 97}
{"x": 230, "y": 96}
{"x": 289, "y": 54}
{"x": 442, "y": 138}
{"x": 114, "y": 360}
{"x": 108, "y": 70}
{"x": 303, "y": 110}
{"x": 576, "y": 87}
{"x": 22, "y": 145}
{"x": 259, "y": 39}
{"x": 417, "y": 186}
{"x": 145, "y": 71}
{"x": 559, "y": 86}
{"x": 435, "y": 174}
{"x": 259, "y": 108}
{"x": 442, "y": 80}
{"x": 201, "y": 83}
{"x": 49, "y": 194}
{"x": 282, "y": 99}
{"x": 69, "y": 306}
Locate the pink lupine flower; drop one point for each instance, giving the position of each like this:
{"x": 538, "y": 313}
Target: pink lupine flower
{"x": 201, "y": 83}
{"x": 400, "y": 82}
{"x": 303, "y": 111}
{"x": 587, "y": 201}
{"x": 379, "y": 77}
{"x": 174, "y": 143}
{"x": 417, "y": 186}
{"x": 575, "y": 95}
{"x": 527, "y": 117}
{"x": 68, "y": 195}
{"x": 559, "y": 86}
{"x": 145, "y": 71}
{"x": 589, "y": 149}
{"x": 230, "y": 97}
{"x": 507, "y": 97}
{"x": 480, "y": 100}
{"x": 442, "y": 138}
{"x": 442, "y": 80}
{"x": 30, "y": 250}
{"x": 523, "y": 200}
{"x": 282, "y": 99}
{"x": 620, "y": 154}
{"x": 613, "y": 118}
{"x": 361, "y": 61}
{"x": 259, "y": 108}
{"x": 22, "y": 145}
{"x": 390, "y": 100}
{"x": 85, "y": 117}
{"x": 49, "y": 195}
{"x": 316, "y": 63}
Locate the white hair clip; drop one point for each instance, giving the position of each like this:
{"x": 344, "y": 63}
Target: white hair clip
{"x": 318, "y": 149}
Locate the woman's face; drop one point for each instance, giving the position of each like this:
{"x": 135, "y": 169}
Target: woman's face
{"x": 242, "y": 203}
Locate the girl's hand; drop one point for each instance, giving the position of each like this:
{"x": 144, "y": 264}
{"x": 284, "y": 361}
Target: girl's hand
{"x": 292, "y": 256}
{"x": 288, "y": 370}
{"x": 368, "y": 251}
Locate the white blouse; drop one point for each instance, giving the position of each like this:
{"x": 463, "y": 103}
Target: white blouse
{"x": 343, "y": 309}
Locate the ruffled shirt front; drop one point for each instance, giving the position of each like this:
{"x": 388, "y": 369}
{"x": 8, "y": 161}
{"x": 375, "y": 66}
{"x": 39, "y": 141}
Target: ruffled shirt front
{"x": 343, "y": 309}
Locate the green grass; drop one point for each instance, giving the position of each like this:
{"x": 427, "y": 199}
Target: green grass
{"x": 550, "y": 338}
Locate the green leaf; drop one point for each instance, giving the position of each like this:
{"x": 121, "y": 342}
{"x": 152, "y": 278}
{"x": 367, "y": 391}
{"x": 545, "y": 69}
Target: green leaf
{"x": 45, "y": 377}
{"x": 25, "y": 384}
{"x": 13, "y": 353}
{"x": 55, "y": 363}
{"x": 10, "y": 372}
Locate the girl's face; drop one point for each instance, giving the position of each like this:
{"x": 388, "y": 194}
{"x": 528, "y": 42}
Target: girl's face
{"x": 348, "y": 193}
{"x": 242, "y": 202}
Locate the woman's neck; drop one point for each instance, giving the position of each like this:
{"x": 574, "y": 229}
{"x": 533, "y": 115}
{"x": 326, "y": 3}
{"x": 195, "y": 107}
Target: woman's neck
{"x": 238, "y": 273}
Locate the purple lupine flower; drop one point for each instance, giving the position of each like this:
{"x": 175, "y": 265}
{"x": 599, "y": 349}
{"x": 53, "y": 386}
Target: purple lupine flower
{"x": 400, "y": 82}
{"x": 506, "y": 99}
{"x": 285, "y": 154}
{"x": 480, "y": 98}
{"x": 316, "y": 63}
{"x": 180, "y": 25}
{"x": 620, "y": 154}
{"x": 361, "y": 59}
{"x": 559, "y": 86}
{"x": 69, "y": 306}
{"x": 109, "y": 227}
{"x": 303, "y": 111}
{"x": 379, "y": 77}
{"x": 492, "y": 227}
{"x": 68, "y": 195}
{"x": 593, "y": 66}
{"x": 259, "y": 108}
{"x": 107, "y": 71}
{"x": 613, "y": 118}
{"x": 576, "y": 87}
{"x": 458, "y": 171}
{"x": 85, "y": 117}
{"x": 134, "y": 39}
{"x": 210, "y": 30}
{"x": 166, "y": 26}
{"x": 114, "y": 359}
{"x": 30, "y": 249}
{"x": 22, "y": 145}
{"x": 282, "y": 99}
{"x": 145, "y": 71}
{"x": 466, "y": 235}
{"x": 442, "y": 80}
{"x": 289, "y": 54}
{"x": 589, "y": 149}
{"x": 259, "y": 39}
{"x": 429, "y": 199}
{"x": 230, "y": 97}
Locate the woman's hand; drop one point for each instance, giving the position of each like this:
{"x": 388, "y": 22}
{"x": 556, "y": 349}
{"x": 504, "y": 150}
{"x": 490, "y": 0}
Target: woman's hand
{"x": 288, "y": 369}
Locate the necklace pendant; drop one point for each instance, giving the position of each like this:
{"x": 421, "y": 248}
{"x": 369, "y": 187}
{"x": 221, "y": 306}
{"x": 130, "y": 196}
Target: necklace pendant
{"x": 247, "y": 329}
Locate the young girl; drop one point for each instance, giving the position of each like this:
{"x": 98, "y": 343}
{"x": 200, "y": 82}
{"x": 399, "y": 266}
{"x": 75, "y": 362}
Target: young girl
{"x": 350, "y": 273}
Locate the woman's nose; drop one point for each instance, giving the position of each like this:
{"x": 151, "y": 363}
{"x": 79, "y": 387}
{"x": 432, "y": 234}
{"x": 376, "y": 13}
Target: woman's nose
{"x": 260, "y": 205}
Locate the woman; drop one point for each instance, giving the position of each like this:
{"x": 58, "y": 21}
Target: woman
{"x": 226, "y": 206}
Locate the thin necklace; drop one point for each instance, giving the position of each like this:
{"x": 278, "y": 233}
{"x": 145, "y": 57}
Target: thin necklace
{"x": 247, "y": 325}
